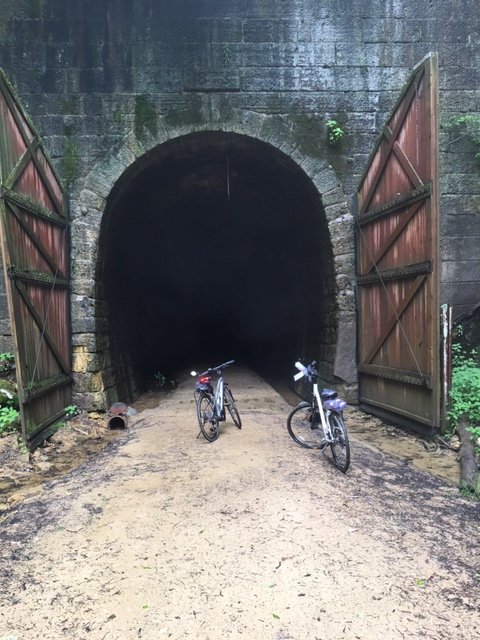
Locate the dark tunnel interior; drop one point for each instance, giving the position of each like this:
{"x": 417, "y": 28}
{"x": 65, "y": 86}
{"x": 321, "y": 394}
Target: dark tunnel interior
{"x": 214, "y": 246}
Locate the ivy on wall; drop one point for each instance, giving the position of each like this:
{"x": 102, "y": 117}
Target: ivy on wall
{"x": 335, "y": 132}
{"x": 465, "y": 127}
{"x": 31, "y": 9}
{"x": 145, "y": 117}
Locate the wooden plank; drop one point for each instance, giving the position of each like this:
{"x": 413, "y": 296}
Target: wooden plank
{"x": 35, "y": 208}
{"x": 399, "y": 375}
{"x": 37, "y": 242}
{"x": 406, "y": 165}
{"x": 38, "y": 277}
{"x": 32, "y": 146}
{"x": 21, "y": 165}
{"x": 398, "y": 273}
{"x": 385, "y": 153}
{"x": 35, "y": 246}
{"x": 40, "y": 322}
{"x": 34, "y": 391}
{"x": 390, "y": 240}
{"x": 392, "y": 321}
{"x": 392, "y": 206}
{"x": 398, "y": 363}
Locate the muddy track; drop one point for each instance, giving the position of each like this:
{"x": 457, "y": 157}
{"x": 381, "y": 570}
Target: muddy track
{"x": 165, "y": 536}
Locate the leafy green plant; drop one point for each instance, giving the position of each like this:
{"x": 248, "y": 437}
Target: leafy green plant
{"x": 335, "y": 132}
{"x": 117, "y": 116}
{"x": 9, "y": 419}
{"x": 475, "y": 431}
{"x": 466, "y": 126}
{"x": 8, "y": 394}
{"x": 7, "y": 361}
{"x": 71, "y": 411}
{"x": 162, "y": 382}
{"x": 160, "y": 379}
{"x": 465, "y": 392}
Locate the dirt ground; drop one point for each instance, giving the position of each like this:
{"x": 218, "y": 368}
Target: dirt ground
{"x": 159, "y": 534}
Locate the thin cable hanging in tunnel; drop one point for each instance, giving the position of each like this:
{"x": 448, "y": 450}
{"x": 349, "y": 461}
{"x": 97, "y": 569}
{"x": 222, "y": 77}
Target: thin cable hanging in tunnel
{"x": 228, "y": 177}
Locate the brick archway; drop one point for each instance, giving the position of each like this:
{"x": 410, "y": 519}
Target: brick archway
{"x": 92, "y": 350}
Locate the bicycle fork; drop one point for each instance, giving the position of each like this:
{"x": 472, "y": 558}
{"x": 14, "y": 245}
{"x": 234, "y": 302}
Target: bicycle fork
{"x": 324, "y": 415}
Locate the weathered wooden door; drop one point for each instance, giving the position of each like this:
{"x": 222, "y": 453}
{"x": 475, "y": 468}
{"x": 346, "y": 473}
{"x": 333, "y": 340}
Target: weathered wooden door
{"x": 397, "y": 261}
{"x": 35, "y": 251}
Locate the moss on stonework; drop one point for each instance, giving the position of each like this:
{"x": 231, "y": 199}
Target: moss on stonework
{"x": 145, "y": 117}
{"x": 68, "y": 130}
{"x": 225, "y": 110}
{"x": 8, "y": 9}
{"x": 31, "y": 9}
{"x": 191, "y": 115}
{"x": 309, "y": 134}
{"x": 67, "y": 107}
{"x": 70, "y": 162}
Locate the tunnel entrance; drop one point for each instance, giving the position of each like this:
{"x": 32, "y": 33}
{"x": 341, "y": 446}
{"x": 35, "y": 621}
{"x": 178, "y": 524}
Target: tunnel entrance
{"x": 215, "y": 246}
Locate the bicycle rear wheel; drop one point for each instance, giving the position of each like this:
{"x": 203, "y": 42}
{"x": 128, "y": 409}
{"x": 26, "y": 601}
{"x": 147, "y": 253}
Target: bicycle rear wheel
{"x": 340, "y": 445}
{"x": 231, "y": 406}
{"x": 305, "y": 427}
{"x": 206, "y": 417}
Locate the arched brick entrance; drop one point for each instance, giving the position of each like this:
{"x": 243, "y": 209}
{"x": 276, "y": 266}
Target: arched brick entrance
{"x": 268, "y": 216}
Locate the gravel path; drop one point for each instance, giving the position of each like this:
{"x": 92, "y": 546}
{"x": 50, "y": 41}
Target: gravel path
{"x": 164, "y": 535}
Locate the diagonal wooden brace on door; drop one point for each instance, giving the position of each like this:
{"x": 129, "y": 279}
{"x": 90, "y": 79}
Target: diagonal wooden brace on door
{"x": 36, "y": 241}
{"x": 40, "y": 322}
{"x": 374, "y": 258}
{"x": 390, "y": 136}
{"x": 395, "y": 318}
{"x": 32, "y": 147}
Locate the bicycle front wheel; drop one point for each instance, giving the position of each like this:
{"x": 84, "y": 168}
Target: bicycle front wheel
{"x": 340, "y": 445}
{"x": 206, "y": 417}
{"x": 305, "y": 427}
{"x": 231, "y": 406}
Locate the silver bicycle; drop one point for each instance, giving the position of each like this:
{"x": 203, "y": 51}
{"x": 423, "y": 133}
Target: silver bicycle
{"x": 319, "y": 423}
{"x": 212, "y": 396}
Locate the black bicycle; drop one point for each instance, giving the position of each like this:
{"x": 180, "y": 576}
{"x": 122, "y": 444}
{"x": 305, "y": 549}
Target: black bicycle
{"x": 319, "y": 423}
{"x": 212, "y": 396}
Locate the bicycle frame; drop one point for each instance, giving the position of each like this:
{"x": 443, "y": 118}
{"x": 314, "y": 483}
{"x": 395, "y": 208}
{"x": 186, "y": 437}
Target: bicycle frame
{"x": 325, "y": 407}
{"x": 218, "y": 397}
{"x": 211, "y": 403}
{"x": 218, "y": 388}
{"x": 303, "y": 422}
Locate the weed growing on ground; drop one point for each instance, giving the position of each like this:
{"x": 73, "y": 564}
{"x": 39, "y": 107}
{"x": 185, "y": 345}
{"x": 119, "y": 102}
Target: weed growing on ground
{"x": 9, "y": 420}
{"x": 465, "y": 392}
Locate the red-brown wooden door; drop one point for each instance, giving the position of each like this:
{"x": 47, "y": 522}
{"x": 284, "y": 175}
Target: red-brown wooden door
{"x": 35, "y": 251}
{"x": 397, "y": 261}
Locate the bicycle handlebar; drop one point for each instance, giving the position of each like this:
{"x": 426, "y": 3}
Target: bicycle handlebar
{"x": 218, "y": 368}
{"x": 309, "y": 371}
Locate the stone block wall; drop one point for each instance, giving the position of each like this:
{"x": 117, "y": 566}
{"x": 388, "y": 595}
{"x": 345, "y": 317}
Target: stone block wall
{"x": 91, "y": 73}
